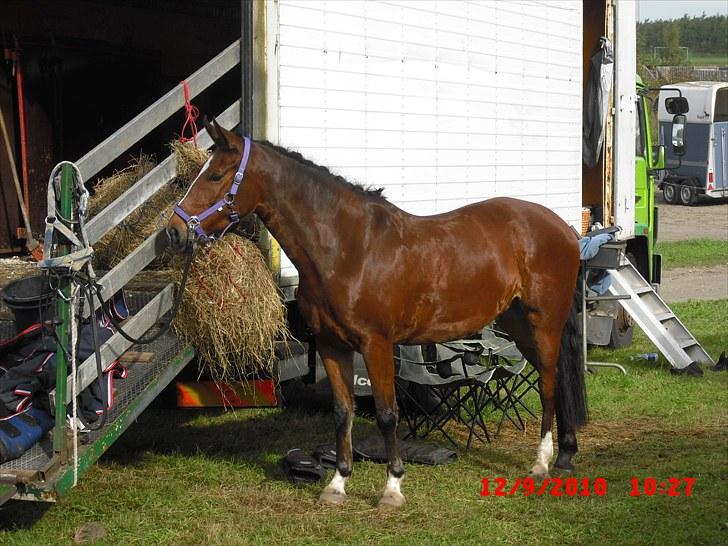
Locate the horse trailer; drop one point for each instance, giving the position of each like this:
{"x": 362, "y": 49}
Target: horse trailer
{"x": 703, "y": 170}
{"x": 444, "y": 104}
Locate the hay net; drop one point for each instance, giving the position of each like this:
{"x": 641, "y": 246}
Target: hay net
{"x": 232, "y": 311}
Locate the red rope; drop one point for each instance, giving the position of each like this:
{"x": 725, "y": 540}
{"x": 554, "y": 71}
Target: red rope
{"x": 191, "y": 115}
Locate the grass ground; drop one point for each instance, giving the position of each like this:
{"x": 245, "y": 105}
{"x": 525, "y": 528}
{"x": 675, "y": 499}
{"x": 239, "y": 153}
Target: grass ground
{"x": 701, "y": 59}
{"x": 693, "y": 252}
{"x": 214, "y": 478}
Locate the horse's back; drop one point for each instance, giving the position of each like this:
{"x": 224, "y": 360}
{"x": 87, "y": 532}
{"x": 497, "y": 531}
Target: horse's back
{"x": 511, "y": 227}
{"x": 456, "y": 271}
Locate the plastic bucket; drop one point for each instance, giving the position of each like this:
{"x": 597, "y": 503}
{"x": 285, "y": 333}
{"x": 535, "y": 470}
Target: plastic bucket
{"x": 30, "y": 300}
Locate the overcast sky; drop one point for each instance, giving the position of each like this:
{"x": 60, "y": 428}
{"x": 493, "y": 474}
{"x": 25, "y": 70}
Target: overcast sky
{"x": 675, "y": 9}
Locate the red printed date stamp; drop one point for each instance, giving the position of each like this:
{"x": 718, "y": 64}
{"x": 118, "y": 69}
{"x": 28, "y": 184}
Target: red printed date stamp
{"x": 583, "y": 487}
{"x": 555, "y": 487}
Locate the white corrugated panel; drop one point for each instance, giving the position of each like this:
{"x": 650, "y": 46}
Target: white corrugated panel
{"x": 441, "y": 103}
{"x": 625, "y": 98}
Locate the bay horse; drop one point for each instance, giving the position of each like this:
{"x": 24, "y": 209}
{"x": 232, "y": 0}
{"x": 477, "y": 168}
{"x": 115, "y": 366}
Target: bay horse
{"x": 372, "y": 276}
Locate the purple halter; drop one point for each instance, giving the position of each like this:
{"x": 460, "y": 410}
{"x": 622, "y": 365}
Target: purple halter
{"x": 194, "y": 222}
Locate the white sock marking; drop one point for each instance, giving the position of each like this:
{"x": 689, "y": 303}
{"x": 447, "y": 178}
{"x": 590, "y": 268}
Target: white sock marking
{"x": 337, "y": 483}
{"x": 393, "y": 486}
{"x": 545, "y": 451}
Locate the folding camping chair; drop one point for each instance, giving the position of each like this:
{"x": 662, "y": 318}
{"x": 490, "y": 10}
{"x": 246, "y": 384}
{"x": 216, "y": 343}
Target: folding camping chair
{"x": 436, "y": 384}
{"x": 459, "y": 380}
{"x": 514, "y": 378}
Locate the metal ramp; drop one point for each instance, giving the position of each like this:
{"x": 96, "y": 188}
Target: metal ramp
{"x": 51, "y": 468}
{"x": 655, "y": 318}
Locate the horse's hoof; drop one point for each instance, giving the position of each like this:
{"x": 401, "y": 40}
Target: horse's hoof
{"x": 332, "y": 497}
{"x": 564, "y": 469}
{"x": 539, "y": 473}
{"x": 391, "y": 501}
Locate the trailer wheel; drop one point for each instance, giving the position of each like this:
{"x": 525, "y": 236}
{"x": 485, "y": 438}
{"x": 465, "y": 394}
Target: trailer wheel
{"x": 669, "y": 192}
{"x": 687, "y": 195}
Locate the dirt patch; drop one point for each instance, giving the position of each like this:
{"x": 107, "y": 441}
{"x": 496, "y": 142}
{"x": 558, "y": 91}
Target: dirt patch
{"x": 695, "y": 283}
{"x": 706, "y": 219}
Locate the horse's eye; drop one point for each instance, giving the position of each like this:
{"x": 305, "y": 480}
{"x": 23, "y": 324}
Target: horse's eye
{"x": 215, "y": 177}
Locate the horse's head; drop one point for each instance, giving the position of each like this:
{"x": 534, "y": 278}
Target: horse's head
{"x": 218, "y": 197}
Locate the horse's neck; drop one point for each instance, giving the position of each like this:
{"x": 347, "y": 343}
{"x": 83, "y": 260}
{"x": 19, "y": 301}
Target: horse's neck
{"x": 300, "y": 213}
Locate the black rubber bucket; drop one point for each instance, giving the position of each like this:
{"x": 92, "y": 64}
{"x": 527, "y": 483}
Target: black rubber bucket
{"x": 31, "y": 301}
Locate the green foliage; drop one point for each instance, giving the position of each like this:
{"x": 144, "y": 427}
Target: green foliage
{"x": 701, "y": 35}
{"x": 692, "y": 252}
{"x": 671, "y": 38}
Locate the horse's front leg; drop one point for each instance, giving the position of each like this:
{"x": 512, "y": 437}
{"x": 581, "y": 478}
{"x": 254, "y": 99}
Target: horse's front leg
{"x": 378, "y": 354}
{"x": 340, "y": 370}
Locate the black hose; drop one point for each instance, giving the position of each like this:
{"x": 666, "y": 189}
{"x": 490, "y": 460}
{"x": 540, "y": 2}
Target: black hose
{"x": 101, "y": 421}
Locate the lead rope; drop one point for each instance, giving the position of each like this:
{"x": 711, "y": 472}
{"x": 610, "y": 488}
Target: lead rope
{"x": 191, "y": 115}
{"x": 74, "y": 384}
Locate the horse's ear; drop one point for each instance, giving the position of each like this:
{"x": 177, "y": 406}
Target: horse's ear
{"x": 221, "y": 141}
{"x": 217, "y": 133}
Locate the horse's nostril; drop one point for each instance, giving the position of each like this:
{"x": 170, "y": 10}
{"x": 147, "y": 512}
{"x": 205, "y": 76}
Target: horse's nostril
{"x": 174, "y": 236}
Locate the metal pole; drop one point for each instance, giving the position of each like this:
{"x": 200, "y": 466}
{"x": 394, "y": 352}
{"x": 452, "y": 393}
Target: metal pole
{"x": 60, "y": 445}
{"x": 246, "y": 66}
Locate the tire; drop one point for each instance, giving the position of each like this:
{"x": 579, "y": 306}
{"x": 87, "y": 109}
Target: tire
{"x": 687, "y": 195}
{"x": 622, "y": 330}
{"x": 669, "y": 192}
{"x": 623, "y": 325}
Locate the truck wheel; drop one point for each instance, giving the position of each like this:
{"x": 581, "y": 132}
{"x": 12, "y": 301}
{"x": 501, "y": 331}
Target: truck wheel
{"x": 687, "y": 195}
{"x": 669, "y": 192}
{"x": 622, "y": 330}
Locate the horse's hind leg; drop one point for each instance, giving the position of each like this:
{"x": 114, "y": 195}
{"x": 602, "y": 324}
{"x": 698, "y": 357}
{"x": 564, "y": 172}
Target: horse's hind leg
{"x": 340, "y": 370}
{"x": 378, "y": 355}
{"x": 539, "y": 341}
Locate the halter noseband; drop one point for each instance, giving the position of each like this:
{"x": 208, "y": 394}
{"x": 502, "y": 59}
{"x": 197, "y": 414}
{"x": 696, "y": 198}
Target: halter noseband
{"x": 194, "y": 221}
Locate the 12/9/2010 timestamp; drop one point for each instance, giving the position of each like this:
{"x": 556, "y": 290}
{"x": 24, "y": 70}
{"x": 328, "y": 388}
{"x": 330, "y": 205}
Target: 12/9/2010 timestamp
{"x": 584, "y": 487}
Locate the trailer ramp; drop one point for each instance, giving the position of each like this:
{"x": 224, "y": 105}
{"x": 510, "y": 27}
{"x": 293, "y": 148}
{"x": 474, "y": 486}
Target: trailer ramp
{"x": 38, "y": 475}
{"x": 656, "y": 319}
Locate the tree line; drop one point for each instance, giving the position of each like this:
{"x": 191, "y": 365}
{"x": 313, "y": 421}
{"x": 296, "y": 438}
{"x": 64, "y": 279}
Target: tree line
{"x": 706, "y": 35}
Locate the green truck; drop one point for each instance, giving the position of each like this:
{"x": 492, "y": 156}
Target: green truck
{"x": 640, "y": 249}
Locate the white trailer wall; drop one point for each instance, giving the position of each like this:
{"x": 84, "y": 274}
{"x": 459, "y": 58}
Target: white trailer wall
{"x": 442, "y": 103}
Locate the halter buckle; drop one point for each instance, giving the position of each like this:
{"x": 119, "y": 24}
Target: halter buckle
{"x": 193, "y": 222}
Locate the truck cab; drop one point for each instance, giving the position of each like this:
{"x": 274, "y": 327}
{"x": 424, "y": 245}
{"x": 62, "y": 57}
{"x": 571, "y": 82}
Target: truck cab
{"x": 649, "y": 162}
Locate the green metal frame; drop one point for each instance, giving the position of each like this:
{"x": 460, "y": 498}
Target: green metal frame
{"x": 60, "y": 445}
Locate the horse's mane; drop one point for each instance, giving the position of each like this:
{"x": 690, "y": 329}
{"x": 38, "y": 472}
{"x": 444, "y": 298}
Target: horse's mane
{"x": 320, "y": 169}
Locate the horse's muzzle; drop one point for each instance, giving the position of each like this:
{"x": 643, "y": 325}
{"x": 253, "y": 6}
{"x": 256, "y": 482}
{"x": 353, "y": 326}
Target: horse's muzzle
{"x": 178, "y": 239}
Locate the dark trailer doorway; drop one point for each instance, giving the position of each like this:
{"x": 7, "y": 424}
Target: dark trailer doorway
{"x": 88, "y": 67}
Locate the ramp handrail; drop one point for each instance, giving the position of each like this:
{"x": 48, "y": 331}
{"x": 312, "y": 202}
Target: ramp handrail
{"x": 140, "y": 192}
{"x": 136, "y": 129}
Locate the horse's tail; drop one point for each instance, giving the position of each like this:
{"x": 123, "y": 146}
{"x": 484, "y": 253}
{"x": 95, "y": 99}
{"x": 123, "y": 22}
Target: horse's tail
{"x": 570, "y": 383}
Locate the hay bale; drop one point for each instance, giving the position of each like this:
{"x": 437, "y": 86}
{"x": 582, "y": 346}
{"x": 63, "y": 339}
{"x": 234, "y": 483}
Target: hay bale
{"x": 151, "y": 216}
{"x": 189, "y": 160}
{"x": 106, "y": 190}
{"x": 232, "y": 311}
